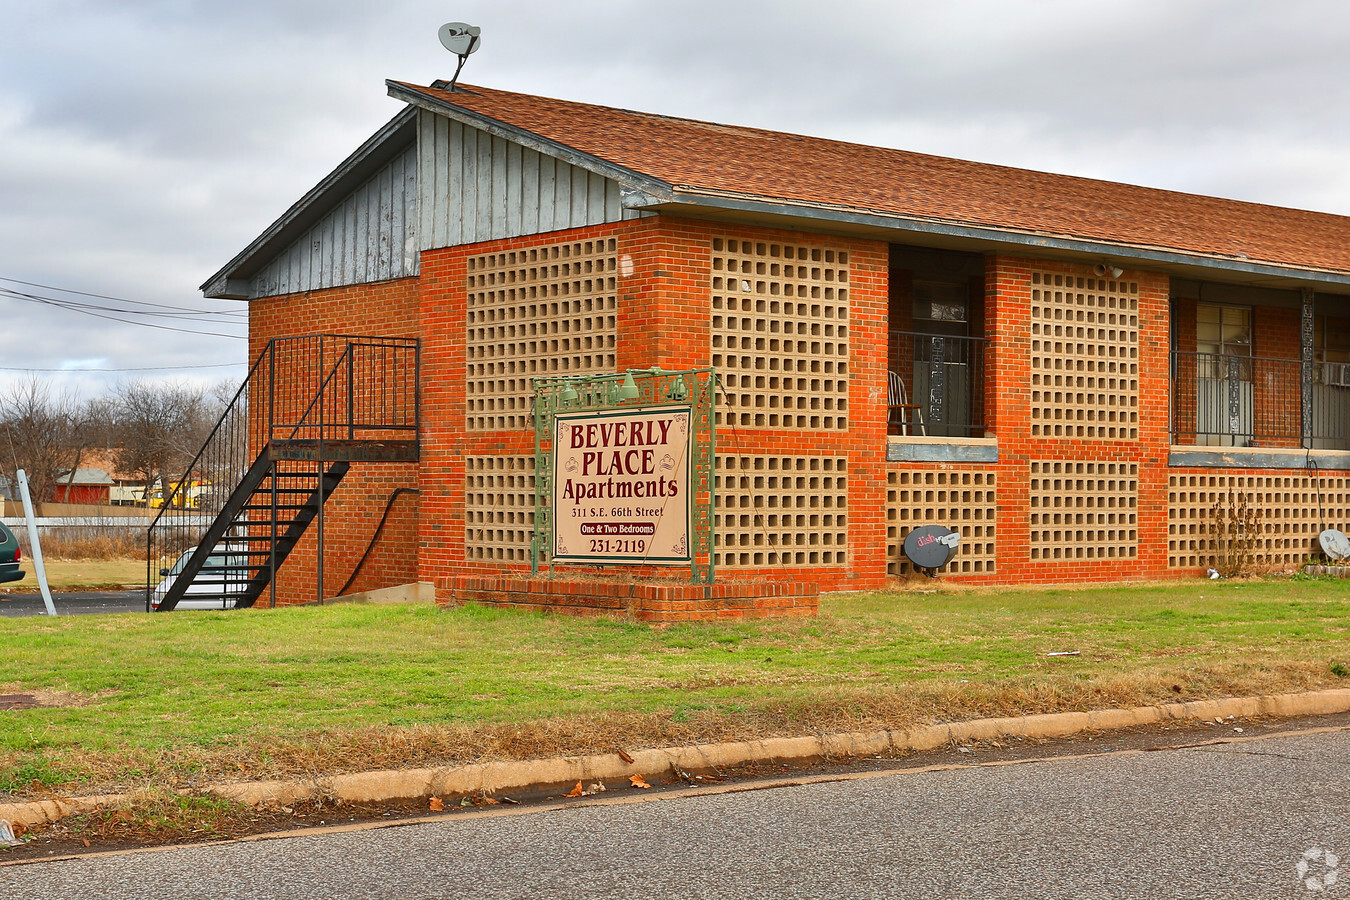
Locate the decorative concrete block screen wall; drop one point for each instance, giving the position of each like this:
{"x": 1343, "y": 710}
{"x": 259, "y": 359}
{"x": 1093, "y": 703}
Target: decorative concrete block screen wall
{"x": 1084, "y": 510}
{"x": 781, "y": 511}
{"x": 1293, "y": 509}
{"x": 498, "y": 508}
{"x": 780, "y": 334}
{"x": 1084, "y": 357}
{"x": 536, "y": 312}
{"x": 965, "y": 501}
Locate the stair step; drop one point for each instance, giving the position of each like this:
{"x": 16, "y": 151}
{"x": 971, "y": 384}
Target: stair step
{"x": 264, "y": 501}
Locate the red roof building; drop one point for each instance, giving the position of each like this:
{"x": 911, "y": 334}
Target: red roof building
{"x": 1071, "y": 374}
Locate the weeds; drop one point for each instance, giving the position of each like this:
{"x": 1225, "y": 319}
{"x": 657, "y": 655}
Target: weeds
{"x": 1235, "y": 534}
{"x": 99, "y": 541}
{"x": 35, "y": 773}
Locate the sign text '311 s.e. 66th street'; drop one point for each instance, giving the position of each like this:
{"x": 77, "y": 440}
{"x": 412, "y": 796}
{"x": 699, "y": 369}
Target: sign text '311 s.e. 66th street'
{"x": 621, "y": 486}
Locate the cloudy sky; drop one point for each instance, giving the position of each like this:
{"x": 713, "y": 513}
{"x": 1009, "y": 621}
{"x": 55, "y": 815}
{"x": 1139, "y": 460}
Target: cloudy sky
{"x": 143, "y": 144}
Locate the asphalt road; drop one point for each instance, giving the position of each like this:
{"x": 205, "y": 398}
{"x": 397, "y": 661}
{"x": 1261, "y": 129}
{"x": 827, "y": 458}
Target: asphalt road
{"x": 73, "y": 604}
{"x": 1232, "y": 820}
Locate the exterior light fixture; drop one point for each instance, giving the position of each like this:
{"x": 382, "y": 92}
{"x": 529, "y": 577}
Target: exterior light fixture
{"x": 1105, "y": 269}
{"x": 629, "y": 389}
{"x": 678, "y": 391}
{"x": 569, "y": 393}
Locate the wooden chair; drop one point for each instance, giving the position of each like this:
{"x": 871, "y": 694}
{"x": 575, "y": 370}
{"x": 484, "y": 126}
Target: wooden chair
{"x": 901, "y": 413}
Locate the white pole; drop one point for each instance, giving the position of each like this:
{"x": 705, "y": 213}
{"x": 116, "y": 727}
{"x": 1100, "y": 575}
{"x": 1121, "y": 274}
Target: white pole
{"x": 38, "y": 568}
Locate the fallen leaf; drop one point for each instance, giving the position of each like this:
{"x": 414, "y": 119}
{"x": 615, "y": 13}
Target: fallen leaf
{"x": 597, "y": 788}
{"x": 466, "y": 802}
{"x": 624, "y": 756}
{"x": 638, "y": 781}
{"x": 576, "y": 791}
{"x": 86, "y": 842}
{"x": 437, "y": 804}
{"x": 491, "y": 802}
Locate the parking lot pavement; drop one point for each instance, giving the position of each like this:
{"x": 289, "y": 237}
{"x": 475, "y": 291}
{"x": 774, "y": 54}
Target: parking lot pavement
{"x": 73, "y": 603}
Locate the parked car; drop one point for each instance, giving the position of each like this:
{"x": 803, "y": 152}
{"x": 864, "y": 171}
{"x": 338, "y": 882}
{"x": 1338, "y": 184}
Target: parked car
{"x": 206, "y": 590}
{"x": 9, "y": 556}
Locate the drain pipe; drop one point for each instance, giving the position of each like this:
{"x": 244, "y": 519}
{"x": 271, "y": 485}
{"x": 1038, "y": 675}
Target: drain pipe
{"x": 39, "y": 569}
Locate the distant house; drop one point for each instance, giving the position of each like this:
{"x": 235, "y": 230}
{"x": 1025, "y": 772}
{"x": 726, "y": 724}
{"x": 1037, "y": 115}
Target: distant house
{"x": 1070, "y": 373}
{"x": 91, "y": 486}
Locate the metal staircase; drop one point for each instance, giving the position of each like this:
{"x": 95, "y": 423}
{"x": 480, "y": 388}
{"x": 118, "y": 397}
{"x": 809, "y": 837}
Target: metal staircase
{"x": 310, "y": 407}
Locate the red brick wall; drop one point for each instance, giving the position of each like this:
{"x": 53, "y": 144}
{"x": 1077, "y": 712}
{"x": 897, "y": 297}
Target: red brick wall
{"x": 387, "y": 309}
{"x": 1008, "y": 292}
{"x": 1277, "y": 335}
{"x": 663, "y": 319}
{"x": 664, "y": 312}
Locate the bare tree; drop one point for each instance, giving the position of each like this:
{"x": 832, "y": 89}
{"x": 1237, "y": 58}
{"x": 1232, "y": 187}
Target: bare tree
{"x": 42, "y": 434}
{"x": 159, "y": 428}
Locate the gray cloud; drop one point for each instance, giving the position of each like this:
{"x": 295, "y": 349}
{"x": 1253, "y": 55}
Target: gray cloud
{"x": 142, "y": 144}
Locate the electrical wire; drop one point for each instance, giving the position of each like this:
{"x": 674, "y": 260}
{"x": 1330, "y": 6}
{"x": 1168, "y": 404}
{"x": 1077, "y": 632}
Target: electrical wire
{"x": 88, "y": 309}
{"x": 49, "y": 287}
{"x": 125, "y": 369}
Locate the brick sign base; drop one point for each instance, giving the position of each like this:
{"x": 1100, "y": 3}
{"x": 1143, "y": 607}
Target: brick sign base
{"x": 646, "y": 601}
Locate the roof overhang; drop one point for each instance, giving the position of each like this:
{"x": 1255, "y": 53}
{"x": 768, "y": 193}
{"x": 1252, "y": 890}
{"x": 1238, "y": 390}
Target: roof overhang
{"x": 942, "y": 234}
{"x": 641, "y": 191}
{"x": 233, "y": 283}
{"x": 653, "y": 187}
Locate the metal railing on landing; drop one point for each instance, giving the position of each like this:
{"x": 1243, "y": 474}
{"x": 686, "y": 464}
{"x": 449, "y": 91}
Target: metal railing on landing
{"x": 937, "y": 384}
{"x": 303, "y": 397}
{"x": 1252, "y": 401}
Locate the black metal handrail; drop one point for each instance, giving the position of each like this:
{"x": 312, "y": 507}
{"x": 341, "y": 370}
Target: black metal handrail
{"x": 309, "y": 387}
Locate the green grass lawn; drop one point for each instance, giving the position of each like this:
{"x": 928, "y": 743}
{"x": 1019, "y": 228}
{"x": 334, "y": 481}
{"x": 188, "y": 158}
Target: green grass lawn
{"x": 184, "y": 697}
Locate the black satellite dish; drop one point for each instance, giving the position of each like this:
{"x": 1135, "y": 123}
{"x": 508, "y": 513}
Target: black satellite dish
{"x": 931, "y": 546}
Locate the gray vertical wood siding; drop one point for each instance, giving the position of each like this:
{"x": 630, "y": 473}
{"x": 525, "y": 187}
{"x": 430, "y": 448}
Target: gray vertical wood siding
{"x": 477, "y": 187}
{"x": 455, "y": 185}
{"x": 371, "y": 235}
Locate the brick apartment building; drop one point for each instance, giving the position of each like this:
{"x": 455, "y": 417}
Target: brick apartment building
{"x": 1069, "y": 372}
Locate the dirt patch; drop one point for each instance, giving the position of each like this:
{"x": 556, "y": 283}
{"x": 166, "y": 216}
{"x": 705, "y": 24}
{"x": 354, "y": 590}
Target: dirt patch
{"x": 18, "y": 701}
{"x": 13, "y": 697}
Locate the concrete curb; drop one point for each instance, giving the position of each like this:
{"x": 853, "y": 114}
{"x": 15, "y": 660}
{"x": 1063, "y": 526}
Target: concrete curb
{"x": 379, "y": 786}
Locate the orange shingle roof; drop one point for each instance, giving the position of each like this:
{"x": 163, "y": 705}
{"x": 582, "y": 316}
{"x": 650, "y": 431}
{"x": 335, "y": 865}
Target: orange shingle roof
{"x": 703, "y": 156}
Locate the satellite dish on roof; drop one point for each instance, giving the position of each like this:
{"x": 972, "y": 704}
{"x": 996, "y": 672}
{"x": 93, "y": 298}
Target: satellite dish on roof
{"x": 1334, "y": 544}
{"x": 461, "y": 39}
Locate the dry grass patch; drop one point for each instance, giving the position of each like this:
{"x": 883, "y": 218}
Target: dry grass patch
{"x": 80, "y": 574}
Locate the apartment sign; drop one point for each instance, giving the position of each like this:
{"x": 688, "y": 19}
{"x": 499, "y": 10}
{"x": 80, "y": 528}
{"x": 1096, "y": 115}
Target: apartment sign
{"x": 621, "y": 486}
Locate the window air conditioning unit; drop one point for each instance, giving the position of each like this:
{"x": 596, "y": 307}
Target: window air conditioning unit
{"x": 1336, "y": 374}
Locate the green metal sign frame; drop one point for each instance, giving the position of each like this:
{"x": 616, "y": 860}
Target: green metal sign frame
{"x": 633, "y": 389}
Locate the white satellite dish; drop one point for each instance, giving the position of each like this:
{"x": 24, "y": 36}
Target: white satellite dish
{"x": 1335, "y": 544}
{"x": 460, "y": 39}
